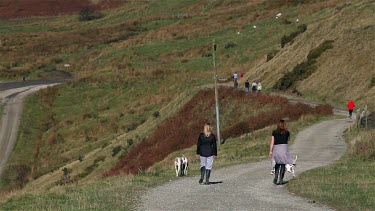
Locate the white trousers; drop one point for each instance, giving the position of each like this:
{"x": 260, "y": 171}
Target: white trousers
{"x": 207, "y": 162}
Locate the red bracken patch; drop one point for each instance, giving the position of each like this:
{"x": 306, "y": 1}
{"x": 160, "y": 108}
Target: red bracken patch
{"x": 27, "y": 8}
{"x": 181, "y": 131}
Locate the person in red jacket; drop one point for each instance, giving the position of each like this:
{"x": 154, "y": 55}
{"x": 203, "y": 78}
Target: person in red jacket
{"x": 351, "y": 106}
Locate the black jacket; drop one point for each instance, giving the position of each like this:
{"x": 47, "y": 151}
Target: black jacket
{"x": 206, "y": 146}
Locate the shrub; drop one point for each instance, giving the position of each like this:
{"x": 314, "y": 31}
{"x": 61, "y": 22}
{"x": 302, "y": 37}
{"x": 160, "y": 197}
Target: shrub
{"x": 88, "y": 14}
{"x": 67, "y": 171}
{"x": 142, "y": 120}
{"x": 316, "y": 52}
{"x": 81, "y": 157}
{"x": 86, "y": 172}
{"x": 99, "y": 159}
{"x": 65, "y": 179}
{"x": 304, "y": 69}
{"x": 133, "y": 126}
{"x": 156, "y": 114}
{"x": 130, "y": 142}
{"x": 285, "y": 21}
{"x": 230, "y": 45}
{"x": 105, "y": 145}
{"x": 90, "y": 139}
{"x": 372, "y": 82}
{"x": 295, "y": 91}
{"x": 116, "y": 150}
{"x": 287, "y": 39}
{"x": 340, "y": 7}
{"x": 207, "y": 54}
{"x": 324, "y": 109}
{"x": 23, "y": 172}
{"x": 302, "y": 28}
{"x": 271, "y": 54}
{"x": 54, "y": 169}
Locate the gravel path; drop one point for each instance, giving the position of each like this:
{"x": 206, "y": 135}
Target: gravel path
{"x": 249, "y": 186}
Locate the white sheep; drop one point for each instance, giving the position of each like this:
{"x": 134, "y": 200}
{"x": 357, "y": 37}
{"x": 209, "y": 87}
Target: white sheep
{"x": 278, "y": 15}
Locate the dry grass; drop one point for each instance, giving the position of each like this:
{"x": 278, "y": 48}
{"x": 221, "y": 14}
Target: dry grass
{"x": 343, "y": 72}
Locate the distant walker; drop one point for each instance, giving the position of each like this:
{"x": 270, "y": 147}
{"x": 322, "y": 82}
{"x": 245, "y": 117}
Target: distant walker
{"x": 351, "y": 106}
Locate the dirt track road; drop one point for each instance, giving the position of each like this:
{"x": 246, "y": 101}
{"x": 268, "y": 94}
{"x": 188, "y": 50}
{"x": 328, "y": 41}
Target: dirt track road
{"x": 249, "y": 186}
{"x": 12, "y": 95}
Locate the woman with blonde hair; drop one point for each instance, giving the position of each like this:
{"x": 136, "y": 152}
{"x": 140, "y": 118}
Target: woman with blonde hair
{"x": 206, "y": 151}
{"x": 279, "y": 151}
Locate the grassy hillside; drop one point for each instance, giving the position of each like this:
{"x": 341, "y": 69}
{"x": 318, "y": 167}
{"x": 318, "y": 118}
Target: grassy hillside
{"x": 28, "y": 8}
{"x": 344, "y": 71}
{"x": 136, "y": 67}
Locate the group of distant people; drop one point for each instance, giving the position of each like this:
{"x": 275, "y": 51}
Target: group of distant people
{"x": 255, "y": 87}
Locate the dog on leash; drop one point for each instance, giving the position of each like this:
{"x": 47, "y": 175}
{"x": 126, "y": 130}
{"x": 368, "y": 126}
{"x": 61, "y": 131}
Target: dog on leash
{"x": 181, "y": 165}
{"x": 291, "y": 167}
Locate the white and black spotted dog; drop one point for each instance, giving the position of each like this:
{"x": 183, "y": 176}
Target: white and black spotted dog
{"x": 181, "y": 164}
{"x": 288, "y": 167}
{"x": 291, "y": 167}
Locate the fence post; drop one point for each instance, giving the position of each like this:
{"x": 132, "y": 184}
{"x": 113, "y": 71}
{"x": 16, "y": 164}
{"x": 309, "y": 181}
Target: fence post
{"x": 358, "y": 118}
{"x": 366, "y": 115}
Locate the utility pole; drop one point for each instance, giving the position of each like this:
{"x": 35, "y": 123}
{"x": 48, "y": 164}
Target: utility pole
{"x": 216, "y": 93}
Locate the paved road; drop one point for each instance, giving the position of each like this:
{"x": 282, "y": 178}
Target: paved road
{"x": 249, "y": 186}
{"x": 12, "y": 95}
{"x": 15, "y": 84}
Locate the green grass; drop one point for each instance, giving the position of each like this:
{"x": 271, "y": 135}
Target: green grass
{"x": 347, "y": 184}
{"x": 17, "y": 26}
{"x": 101, "y": 107}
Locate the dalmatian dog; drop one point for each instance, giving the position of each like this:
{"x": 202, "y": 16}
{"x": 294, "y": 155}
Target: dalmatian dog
{"x": 185, "y": 165}
{"x": 181, "y": 165}
{"x": 291, "y": 167}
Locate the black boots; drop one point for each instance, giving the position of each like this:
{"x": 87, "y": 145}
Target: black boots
{"x": 203, "y": 170}
{"x": 282, "y": 173}
{"x": 208, "y": 172}
{"x": 277, "y": 170}
{"x": 279, "y": 174}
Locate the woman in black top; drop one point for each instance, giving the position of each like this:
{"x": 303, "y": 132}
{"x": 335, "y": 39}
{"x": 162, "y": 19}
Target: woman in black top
{"x": 206, "y": 151}
{"x": 279, "y": 151}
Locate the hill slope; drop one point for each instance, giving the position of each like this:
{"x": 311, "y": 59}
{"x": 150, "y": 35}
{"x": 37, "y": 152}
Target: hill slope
{"x": 27, "y": 8}
{"x": 133, "y": 64}
{"x": 345, "y": 71}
